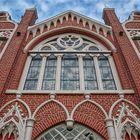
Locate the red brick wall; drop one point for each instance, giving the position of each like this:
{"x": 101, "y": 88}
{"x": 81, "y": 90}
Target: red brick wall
{"x": 10, "y": 57}
{"x": 13, "y": 61}
{"x": 125, "y": 50}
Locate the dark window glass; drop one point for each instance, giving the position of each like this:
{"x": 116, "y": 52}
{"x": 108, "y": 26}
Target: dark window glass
{"x": 106, "y": 73}
{"x": 89, "y": 73}
{"x": 33, "y": 73}
{"x": 49, "y": 74}
{"x": 78, "y": 132}
{"x": 70, "y": 73}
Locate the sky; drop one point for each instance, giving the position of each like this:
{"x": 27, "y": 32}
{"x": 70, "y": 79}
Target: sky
{"x": 50, "y": 8}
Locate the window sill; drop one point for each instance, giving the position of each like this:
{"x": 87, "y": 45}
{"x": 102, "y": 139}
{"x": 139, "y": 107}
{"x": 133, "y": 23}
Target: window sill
{"x": 11, "y": 91}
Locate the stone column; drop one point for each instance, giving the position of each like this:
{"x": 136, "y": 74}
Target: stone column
{"x": 110, "y": 129}
{"x": 29, "y": 128}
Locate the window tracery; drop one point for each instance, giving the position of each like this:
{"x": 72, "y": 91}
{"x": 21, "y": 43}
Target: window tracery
{"x": 71, "y": 62}
{"x": 79, "y": 132}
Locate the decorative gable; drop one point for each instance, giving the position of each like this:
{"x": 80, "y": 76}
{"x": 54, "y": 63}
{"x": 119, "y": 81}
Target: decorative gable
{"x": 69, "y": 18}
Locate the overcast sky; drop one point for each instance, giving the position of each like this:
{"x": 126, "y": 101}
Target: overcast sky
{"x": 49, "y": 8}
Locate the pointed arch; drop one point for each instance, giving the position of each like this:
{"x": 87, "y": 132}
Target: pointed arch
{"x": 90, "y": 101}
{"x": 120, "y": 100}
{"x": 48, "y": 101}
{"x": 70, "y": 29}
{"x": 19, "y": 100}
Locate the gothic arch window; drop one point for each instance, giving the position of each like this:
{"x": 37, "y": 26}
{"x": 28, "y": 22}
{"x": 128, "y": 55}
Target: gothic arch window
{"x": 79, "y": 132}
{"x": 70, "y": 62}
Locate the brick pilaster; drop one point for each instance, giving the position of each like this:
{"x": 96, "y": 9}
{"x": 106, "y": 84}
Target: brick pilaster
{"x": 14, "y": 49}
{"x": 124, "y": 47}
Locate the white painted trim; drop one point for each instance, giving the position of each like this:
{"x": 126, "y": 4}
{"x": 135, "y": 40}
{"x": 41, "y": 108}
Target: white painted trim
{"x": 48, "y": 101}
{"x": 93, "y": 102}
{"x": 104, "y": 92}
{"x": 125, "y": 100}
{"x": 94, "y": 33}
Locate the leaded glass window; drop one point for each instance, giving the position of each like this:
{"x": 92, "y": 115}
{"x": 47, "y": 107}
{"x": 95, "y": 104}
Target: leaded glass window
{"x": 79, "y": 132}
{"x": 67, "y": 65}
{"x": 89, "y": 73}
{"x": 33, "y": 73}
{"x": 106, "y": 73}
{"x": 70, "y": 73}
{"x": 49, "y": 74}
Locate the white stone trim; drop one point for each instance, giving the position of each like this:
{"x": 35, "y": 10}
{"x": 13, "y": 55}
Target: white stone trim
{"x": 110, "y": 129}
{"x": 29, "y": 129}
{"x": 104, "y": 92}
{"x": 8, "y": 41}
{"x": 125, "y": 100}
{"x": 61, "y": 28}
{"x": 93, "y": 42}
{"x": 48, "y": 101}
{"x": 130, "y": 39}
{"x": 73, "y": 14}
{"x": 13, "y": 31}
{"x": 14, "y": 100}
{"x": 93, "y": 102}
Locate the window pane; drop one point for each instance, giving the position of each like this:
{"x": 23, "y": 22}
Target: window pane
{"x": 106, "y": 74}
{"x": 70, "y": 73}
{"x": 89, "y": 73}
{"x": 33, "y": 73}
{"x": 49, "y": 74}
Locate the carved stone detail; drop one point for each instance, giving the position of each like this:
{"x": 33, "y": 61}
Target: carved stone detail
{"x": 13, "y": 122}
{"x": 5, "y": 34}
{"x": 126, "y": 122}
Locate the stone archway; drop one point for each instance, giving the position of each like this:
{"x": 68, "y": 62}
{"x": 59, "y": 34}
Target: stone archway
{"x": 79, "y": 132}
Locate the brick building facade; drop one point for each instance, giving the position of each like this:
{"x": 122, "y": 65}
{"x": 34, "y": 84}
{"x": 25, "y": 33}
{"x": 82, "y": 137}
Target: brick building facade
{"x": 70, "y": 77}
